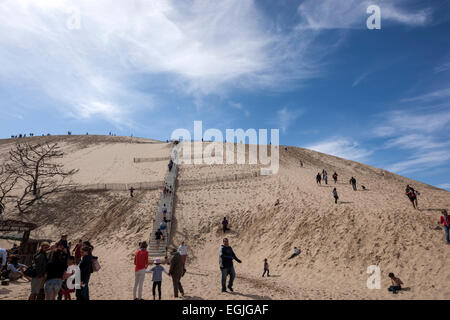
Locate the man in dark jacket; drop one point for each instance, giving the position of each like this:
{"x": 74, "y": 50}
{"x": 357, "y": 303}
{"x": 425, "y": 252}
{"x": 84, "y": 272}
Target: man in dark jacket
{"x": 226, "y": 257}
{"x": 85, "y": 273}
{"x": 40, "y": 261}
{"x": 176, "y": 271}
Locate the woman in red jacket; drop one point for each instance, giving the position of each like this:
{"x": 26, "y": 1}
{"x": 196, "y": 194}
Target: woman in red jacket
{"x": 141, "y": 263}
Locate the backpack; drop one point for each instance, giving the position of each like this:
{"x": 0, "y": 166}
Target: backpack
{"x": 95, "y": 264}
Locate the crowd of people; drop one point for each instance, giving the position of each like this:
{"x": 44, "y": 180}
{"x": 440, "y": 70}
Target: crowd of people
{"x": 54, "y": 272}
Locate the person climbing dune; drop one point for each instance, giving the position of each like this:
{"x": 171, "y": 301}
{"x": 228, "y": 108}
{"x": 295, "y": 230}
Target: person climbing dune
{"x": 335, "y": 194}
{"x": 318, "y": 178}
{"x": 335, "y": 177}
{"x": 412, "y": 195}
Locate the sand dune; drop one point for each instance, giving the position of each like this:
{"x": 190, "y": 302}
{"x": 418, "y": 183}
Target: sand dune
{"x": 338, "y": 242}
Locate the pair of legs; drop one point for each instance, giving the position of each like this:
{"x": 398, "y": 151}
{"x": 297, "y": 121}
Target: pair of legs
{"x": 37, "y": 284}
{"x": 139, "y": 277}
{"x": 336, "y": 199}
{"x": 447, "y": 233}
{"x": 293, "y": 255}
{"x": 51, "y": 288}
{"x": 225, "y": 272}
{"x": 177, "y": 286}
{"x": 266, "y": 270}
{"x": 354, "y": 186}
{"x": 83, "y": 293}
{"x": 413, "y": 201}
{"x": 156, "y": 284}
{"x": 395, "y": 289}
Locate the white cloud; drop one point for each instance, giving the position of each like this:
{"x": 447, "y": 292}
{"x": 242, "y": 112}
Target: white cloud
{"x": 341, "y": 147}
{"x": 198, "y": 47}
{"x": 421, "y": 161}
{"x": 349, "y": 14}
{"x": 286, "y": 117}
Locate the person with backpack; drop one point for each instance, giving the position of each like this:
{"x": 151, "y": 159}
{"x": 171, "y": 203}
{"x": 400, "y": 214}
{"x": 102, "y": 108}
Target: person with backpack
{"x": 226, "y": 257}
{"x": 353, "y": 183}
{"x": 39, "y": 265}
{"x": 141, "y": 264}
{"x": 412, "y": 195}
{"x": 445, "y": 219}
{"x": 335, "y": 177}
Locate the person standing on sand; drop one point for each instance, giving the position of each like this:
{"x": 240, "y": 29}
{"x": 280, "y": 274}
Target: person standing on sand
{"x": 353, "y": 183}
{"x": 131, "y": 192}
{"x": 396, "y": 284}
{"x": 225, "y": 224}
{"x": 176, "y": 271}
{"x": 335, "y": 194}
{"x": 318, "y": 178}
{"x": 412, "y": 195}
{"x": 335, "y": 177}
{"x": 40, "y": 261}
{"x": 226, "y": 257}
{"x": 446, "y": 221}
{"x": 182, "y": 249}
{"x": 325, "y": 176}
{"x": 157, "y": 271}
{"x": 141, "y": 264}
{"x": 266, "y": 268}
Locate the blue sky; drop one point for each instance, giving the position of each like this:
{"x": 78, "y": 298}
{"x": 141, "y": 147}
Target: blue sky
{"x": 310, "y": 68}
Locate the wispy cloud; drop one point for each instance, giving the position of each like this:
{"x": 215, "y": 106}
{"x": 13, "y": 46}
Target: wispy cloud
{"x": 445, "y": 186}
{"x": 286, "y": 117}
{"x": 197, "y": 47}
{"x": 423, "y": 133}
{"x": 351, "y": 14}
{"x": 342, "y": 147}
{"x": 442, "y": 67}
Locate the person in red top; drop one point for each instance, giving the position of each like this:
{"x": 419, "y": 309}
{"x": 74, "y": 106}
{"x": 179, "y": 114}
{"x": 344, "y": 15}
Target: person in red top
{"x": 445, "y": 219}
{"x": 141, "y": 264}
{"x": 77, "y": 251}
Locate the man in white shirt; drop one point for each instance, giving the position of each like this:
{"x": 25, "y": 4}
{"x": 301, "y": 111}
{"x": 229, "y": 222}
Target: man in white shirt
{"x": 183, "y": 252}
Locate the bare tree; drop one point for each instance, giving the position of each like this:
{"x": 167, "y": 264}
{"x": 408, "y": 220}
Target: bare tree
{"x": 37, "y": 168}
{"x": 7, "y": 183}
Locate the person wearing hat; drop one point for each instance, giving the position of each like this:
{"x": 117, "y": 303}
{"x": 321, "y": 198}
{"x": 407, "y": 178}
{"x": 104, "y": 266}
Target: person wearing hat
{"x": 157, "y": 271}
{"x": 176, "y": 271}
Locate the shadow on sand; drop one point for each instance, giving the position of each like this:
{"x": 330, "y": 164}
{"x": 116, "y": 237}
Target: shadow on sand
{"x": 251, "y": 296}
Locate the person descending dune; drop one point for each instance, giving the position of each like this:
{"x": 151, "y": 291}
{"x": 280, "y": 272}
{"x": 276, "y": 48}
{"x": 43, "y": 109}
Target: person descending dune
{"x": 445, "y": 219}
{"x": 318, "y": 178}
{"x": 335, "y": 177}
{"x": 226, "y": 257}
{"x": 353, "y": 183}
{"x": 412, "y": 195}
{"x": 335, "y": 194}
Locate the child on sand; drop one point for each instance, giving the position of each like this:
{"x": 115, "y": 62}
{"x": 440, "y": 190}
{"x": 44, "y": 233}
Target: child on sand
{"x": 157, "y": 271}
{"x": 396, "y": 284}
{"x": 225, "y": 224}
{"x": 266, "y": 268}
{"x": 72, "y": 268}
{"x": 296, "y": 253}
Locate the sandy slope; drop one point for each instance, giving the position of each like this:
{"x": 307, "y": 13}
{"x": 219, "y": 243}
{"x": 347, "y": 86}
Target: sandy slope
{"x": 338, "y": 242}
